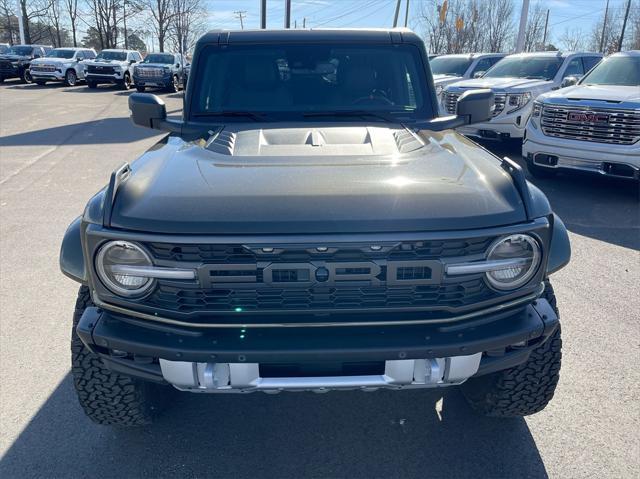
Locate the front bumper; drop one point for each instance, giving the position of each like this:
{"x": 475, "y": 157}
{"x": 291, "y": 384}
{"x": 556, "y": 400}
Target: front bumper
{"x": 163, "y": 82}
{"x": 48, "y": 76}
{"x": 10, "y": 72}
{"x": 565, "y": 154}
{"x": 97, "y": 78}
{"x": 138, "y": 348}
{"x": 502, "y": 127}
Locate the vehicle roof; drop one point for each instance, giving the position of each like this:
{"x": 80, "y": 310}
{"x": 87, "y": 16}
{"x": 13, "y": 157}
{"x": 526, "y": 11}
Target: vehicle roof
{"x": 34, "y": 45}
{"x": 73, "y": 48}
{"x": 373, "y": 35}
{"x": 628, "y": 53}
{"x": 554, "y": 53}
{"x": 122, "y": 50}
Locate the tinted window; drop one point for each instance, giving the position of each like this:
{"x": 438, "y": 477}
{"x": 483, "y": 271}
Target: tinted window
{"x": 543, "y": 68}
{"x": 455, "y": 66}
{"x": 159, "y": 58}
{"x": 20, "y": 50}
{"x": 615, "y": 71}
{"x": 484, "y": 65}
{"x": 116, "y": 56}
{"x": 61, "y": 53}
{"x": 574, "y": 67}
{"x": 294, "y": 79}
{"x": 590, "y": 62}
{"x": 89, "y": 54}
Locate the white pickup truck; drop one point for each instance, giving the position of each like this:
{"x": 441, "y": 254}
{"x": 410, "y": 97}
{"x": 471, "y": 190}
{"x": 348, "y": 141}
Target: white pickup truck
{"x": 447, "y": 69}
{"x": 516, "y": 81}
{"x": 593, "y": 126}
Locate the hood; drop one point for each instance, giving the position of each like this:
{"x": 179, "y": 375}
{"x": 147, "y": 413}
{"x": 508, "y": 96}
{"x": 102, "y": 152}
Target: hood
{"x": 53, "y": 61}
{"x": 607, "y": 93}
{"x": 106, "y": 62}
{"x": 154, "y": 65}
{"x": 270, "y": 180}
{"x": 15, "y": 57}
{"x": 508, "y": 83}
{"x": 442, "y": 80}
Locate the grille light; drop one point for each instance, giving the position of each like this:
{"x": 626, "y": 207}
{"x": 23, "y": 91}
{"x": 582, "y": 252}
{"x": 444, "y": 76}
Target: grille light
{"x": 513, "y": 274}
{"x": 109, "y": 262}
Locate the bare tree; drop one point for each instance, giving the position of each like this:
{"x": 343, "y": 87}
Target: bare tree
{"x": 33, "y": 11}
{"x": 8, "y": 24}
{"x": 608, "y": 33}
{"x": 162, "y": 15}
{"x": 573, "y": 39}
{"x": 534, "y": 33}
{"x": 187, "y": 23}
{"x": 498, "y": 26}
{"x": 54, "y": 23}
{"x": 72, "y": 11}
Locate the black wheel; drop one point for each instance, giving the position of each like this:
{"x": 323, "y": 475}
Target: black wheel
{"x": 174, "y": 87}
{"x": 524, "y": 389}
{"x": 540, "y": 172}
{"x": 71, "y": 78}
{"x": 140, "y": 89}
{"x": 107, "y": 397}
{"x": 126, "y": 82}
{"x": 25, "y": 76}
{"x": 41, "y": 82}
{"x": 1, "y": 79}
{"x": 92, "y": 85}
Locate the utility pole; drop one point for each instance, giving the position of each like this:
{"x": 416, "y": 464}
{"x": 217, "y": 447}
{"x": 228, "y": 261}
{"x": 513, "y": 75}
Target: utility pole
{"x": 295, "y": 23}
{"x": 21, "y": 23}
{"x": 241, "y": 14}
{"x": 624, "y": 25}
{"x": 124, "y": 19}
{"x": 287, "y": 13}
{"x": 263, "y": 14}
{"x": 523, "y": 26}
{"x": 604, "y": 26}
{"x": 406, "y": 15}
{"x": 544, "y": 37}
{"x": 304, "y": 22}
{"x": 395, "y": 17}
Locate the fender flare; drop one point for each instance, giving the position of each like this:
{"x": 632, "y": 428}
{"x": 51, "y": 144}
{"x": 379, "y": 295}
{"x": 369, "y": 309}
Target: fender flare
{"x": 71, "y": 255}
{"x": 560, "y": 250}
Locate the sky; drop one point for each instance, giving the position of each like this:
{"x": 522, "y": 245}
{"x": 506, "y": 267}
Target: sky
{"x": 564, "y": 14}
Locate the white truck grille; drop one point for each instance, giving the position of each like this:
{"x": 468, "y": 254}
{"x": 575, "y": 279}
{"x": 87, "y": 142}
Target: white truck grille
{"x": 600, "y": 125}
{"x": 43, "y": 68}
{"x": 451, "y": 99}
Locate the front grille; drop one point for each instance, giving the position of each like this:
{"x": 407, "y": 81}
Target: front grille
{"x": 43, "y": 68}
{"x": 6, "y": 66}
{"x": 600, "y": 125}
{"x": 451, "y": 100}
{"x": 150, "y": 72}
{"x": 237, "y": 278}
{"x": 100, "y": 70}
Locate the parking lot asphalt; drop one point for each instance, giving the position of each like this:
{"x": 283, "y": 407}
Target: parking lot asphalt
{"x": 58, "y": 146}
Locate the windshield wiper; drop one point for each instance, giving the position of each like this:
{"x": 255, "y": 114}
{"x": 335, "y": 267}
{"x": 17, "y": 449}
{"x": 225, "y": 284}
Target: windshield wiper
{"x": 351, "y": 113}
{"x": 233, "y": 113}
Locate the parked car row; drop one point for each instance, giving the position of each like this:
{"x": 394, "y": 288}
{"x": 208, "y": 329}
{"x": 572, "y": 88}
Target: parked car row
{"x": 573, "y": 111}
{"x": 125, "y": 68}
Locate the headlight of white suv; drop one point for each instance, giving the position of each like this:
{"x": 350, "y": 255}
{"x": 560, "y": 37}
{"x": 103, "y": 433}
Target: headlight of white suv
{"x": 516, "y": 101}
{"x": 516, "y": 258}
{"x": 116, "y": 264}
{"x": 537, "y": 109}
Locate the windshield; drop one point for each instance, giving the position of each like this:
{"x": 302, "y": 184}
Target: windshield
{"x": 159, "y": 58}
{"x": 20, "y": 50}
{"x": 455, "y": 66}
{"x": 117, "y": 56}
{"x": 615, "y": 71}
{"x": 543, "y": 68}
{"x": 61, "y": 53}
{"x": 312, "y": 80}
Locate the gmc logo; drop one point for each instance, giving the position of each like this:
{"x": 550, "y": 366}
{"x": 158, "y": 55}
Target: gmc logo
{"x": 320, "y": 273}
{"x": 587, "y": 117}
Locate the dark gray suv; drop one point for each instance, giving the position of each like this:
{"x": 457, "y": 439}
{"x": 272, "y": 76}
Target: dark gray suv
{"x": 160, "y": 70}
{"x": 311, "y": 223}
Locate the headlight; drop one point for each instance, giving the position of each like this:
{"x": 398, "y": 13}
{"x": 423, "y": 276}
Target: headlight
{"x": 537, "y": 109}
{"x": 515, "y": 101}
{"x": 116, "y": 254}
{"x": 516, "y": 258}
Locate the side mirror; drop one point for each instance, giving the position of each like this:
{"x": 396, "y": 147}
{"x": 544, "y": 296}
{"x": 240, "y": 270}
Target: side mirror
{"x": 177, "y": 65}
{"x": 475, "y": 106}
{"x": 569, "y": 81}
{"x": 479, "y": 74}
{"x": 149, "y": 111}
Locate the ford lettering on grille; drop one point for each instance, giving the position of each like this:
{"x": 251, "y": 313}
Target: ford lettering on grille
{"x": 320, "y": 273}
{"x": 587, "y": 117}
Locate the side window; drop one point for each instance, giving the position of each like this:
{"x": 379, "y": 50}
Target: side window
{"x": 483, "y": 65}
{"x": 88, "y": 54}
{"x": 590, "y": 62}
{"x": 574, "y": 67}
{"x": 79, "y": 56}
{"x": 137, "y": 57}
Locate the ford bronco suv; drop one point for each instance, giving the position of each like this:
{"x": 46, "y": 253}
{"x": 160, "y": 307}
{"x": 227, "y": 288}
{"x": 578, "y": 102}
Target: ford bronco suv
{"x": 15, "y": 62}
{"x": 311, "y": 223}
{"x": 61, "y": 65}
{"x": 593, "y": 126}
{"x": 112, "y": 66}
{"x": 160, "y": 70}
{"x": 516, "y": 81}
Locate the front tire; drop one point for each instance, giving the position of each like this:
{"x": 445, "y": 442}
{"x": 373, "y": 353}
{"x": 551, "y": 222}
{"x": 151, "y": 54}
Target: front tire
{"x": 108, "y": 398}
{"x": 25, "y": 76}
{"x": 524, "y": 389}
{"x": 71, "y": 78}
{"x": 126, "y": 82}
{"x": 174, "y": 87}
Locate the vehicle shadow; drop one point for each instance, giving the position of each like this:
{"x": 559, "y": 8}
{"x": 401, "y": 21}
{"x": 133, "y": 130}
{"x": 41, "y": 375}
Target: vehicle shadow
{"x": 608, "y": 209}
{"x": 340, "y": 434}
{"x": 107, "y": 130}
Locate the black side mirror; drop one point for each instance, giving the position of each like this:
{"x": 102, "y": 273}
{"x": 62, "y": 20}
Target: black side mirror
{"x": 475, "y": 106}
{"x": 177, "y": 65}
{"x": 149, "y": 111}
{"x": 569, "y": 81}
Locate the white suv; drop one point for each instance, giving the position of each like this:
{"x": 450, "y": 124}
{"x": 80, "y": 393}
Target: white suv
{"x": 516, "y": 81}
{"x": 447, "y": 69}
{"x": 593, "y": 126}
{"x": 112, "y": 66}
{"x": 61, "y": 65}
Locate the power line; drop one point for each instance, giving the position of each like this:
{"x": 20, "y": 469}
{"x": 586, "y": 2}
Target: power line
{"x": 350, "y": 11}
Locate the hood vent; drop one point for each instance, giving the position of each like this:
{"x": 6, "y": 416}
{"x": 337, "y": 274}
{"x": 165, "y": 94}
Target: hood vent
{"x": 407, "y": 141}
{"x": 222, "y": 143}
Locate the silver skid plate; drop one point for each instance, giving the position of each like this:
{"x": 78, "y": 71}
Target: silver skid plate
{"x": 245, "y": 377}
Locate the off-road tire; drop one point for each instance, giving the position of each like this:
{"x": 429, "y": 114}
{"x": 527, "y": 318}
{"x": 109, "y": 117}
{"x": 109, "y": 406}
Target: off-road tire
{"x": 92, "y": 85}
{"x": 174, "y": 86}
{"x": 71, "y": 78}
{"x": 109, "y": 398}
{"x": 540, "y": 172}
{"x": 25, "y": 76}
{"x": 140, "y": 89}
{"x": 126, "y": 82}
{"x": 524, "y": 389}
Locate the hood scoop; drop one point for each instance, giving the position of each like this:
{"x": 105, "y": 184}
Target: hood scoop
{"x": 323, "y": 141}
